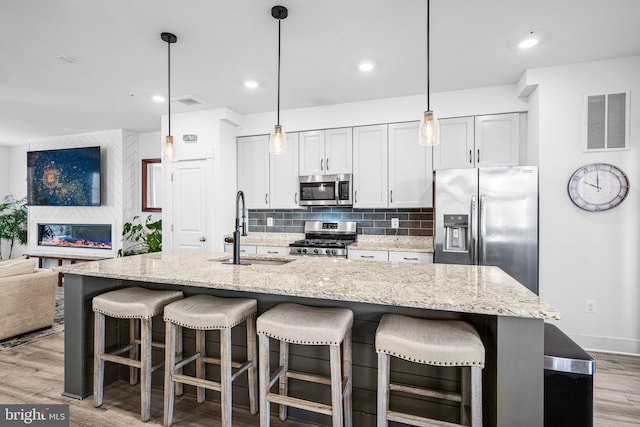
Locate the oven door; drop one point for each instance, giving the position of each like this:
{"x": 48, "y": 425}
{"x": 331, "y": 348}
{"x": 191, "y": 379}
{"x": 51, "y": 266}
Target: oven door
{"x": 325, "y": 190}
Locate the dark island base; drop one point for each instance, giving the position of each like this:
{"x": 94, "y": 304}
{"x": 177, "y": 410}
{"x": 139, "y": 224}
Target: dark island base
{"x": 512, "y": 378}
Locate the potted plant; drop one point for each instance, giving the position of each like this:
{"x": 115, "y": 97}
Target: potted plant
{"x": 141, "y": 238}
{"x": 13, "y": 222}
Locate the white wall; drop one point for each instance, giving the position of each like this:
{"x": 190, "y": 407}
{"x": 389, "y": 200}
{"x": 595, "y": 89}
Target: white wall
{"x": 587, "y": 255}
{"x": 216, "y": 131}
{"x": 490, "y": 100}
{"x": 4, "y": 171}
{"x": 13, "y": 180}
{"x": 149, "y": 147}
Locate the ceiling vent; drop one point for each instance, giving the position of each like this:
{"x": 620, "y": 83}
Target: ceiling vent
{"x": 188, "y": 100}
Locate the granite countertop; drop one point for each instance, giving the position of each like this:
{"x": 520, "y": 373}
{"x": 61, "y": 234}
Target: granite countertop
{"x": 369, "y": 242}
{"x": 458, "y": 288}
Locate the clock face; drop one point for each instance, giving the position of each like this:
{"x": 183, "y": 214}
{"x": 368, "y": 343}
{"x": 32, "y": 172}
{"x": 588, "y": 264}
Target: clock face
{"x": 598, "y": 187}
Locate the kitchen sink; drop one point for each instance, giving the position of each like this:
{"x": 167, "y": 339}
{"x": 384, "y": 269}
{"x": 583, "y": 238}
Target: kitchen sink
{"x": 259, "y": 261}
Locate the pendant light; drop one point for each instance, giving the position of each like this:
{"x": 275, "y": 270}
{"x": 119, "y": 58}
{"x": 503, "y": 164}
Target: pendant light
{"x": 429, "y": 132}
{"x": 278, "y": 139}
{"x": 169, "y": 38}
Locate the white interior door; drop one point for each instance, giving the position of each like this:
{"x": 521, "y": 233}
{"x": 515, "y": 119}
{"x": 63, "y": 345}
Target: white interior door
{"x": 190, "y": 201}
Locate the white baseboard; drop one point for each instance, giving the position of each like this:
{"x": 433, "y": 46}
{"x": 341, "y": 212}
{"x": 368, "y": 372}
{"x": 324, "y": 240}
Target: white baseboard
{"x": 607, "y": 344}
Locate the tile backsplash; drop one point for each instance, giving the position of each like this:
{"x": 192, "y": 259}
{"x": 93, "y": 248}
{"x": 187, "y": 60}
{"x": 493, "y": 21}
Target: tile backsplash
{"x": 412, "y": 222}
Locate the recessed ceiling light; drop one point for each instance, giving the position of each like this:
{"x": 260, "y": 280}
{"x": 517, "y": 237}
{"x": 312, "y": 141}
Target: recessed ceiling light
{"x": 530, "y": 41}
{"x": 158, "y": 98}
{"x": 250, "y": 84}
{"x": 366, "y": 66}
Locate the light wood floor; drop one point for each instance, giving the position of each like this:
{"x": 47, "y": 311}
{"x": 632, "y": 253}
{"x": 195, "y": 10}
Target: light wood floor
{"x": 33, "y": 373}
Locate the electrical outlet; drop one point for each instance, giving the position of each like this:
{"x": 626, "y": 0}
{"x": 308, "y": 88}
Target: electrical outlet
{"x": 395, "y": 223}
{"x": 590, "y": 306}
{"x": 269, "y": 222}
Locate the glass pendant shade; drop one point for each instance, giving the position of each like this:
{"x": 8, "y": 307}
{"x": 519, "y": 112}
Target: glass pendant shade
{"x": 429, "y": 131}
{"x": 278, "y": 141}
{"x": 168, "y": 147}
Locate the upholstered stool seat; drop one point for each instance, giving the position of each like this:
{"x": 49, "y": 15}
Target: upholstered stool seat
{"x": 135, "y": 304}
{"x": 205, "y": 313}
{"x": 432, "y": 342}
{"x": 298, "y": 324}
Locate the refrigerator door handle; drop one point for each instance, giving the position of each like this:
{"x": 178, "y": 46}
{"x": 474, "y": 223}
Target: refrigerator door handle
{"x": 482, "y": 225}
{"x": 473, "y": 232}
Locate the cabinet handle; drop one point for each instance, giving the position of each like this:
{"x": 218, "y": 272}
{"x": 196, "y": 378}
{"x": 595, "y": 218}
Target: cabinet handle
{"x": 478, "y": 160}
{"x": 266, "y": 198}
{"x": 243, "y": 250}
{"x": 356, "y": 196}
{"x": 295, "y": 198}
{"x": 410, "y": 259}
{"x": 327, "y": 163}
{"x": 275, "y": 252}
{"x": 391, "y": 195}
{"x": 321, "y": 168}
{"x": 366, "y": 256}
{"x": 470, "y": 158}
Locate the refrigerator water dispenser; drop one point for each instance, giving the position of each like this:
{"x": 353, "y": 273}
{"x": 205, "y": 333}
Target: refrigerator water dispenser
{"x": 455, "y": 229}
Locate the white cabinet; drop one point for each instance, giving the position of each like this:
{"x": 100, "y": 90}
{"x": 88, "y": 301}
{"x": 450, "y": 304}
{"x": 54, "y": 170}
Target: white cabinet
{"x": 497, "y": 140}
{"x": 324, "y": 152}
{"x": 368, "y": 255}
{"x": 424, "y": 257}
{"x": 283, "y": 176}
{"x": 244, "y": 249}
{"x": 410, "y": 168}
{"x": 469, "y": 142}
{"x": 456, "y": 148}
{"x": 272, "y": 250}
{"x": 268, "y": 181}
{"x": 370, "y": 185}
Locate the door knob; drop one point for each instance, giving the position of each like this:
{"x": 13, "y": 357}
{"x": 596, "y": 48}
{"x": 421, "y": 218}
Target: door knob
{"x": 203, "y": 239}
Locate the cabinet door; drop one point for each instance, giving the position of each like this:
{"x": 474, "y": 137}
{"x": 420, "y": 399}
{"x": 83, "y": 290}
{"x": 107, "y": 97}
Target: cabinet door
{"x": 410, "y": 170}
{"x": 272, "y": 250}
{"x": 338, "y": 151}
{"x": 368, "y": 255}
{"x": 283, "y": 176}
{"x": 253, "y": 170}
{"x": 312, "y": 153}
{"x": 497, "y": 141}
{"x": 456, "y": 148}
{"x": 244, "y": 249}
{"x": 370, "y": 166}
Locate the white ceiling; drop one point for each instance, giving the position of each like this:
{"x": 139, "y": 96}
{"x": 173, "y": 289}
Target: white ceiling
{"x": 121, "y": 60}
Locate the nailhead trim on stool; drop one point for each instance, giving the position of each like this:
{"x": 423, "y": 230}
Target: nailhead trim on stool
{"x": 432, "y": 342}
{"x": 132, "y": 303}
{"x": 300, "y": 324}
{"x": 205, "y": 313}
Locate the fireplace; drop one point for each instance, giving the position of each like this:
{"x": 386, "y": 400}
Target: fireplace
{"x": 89, "y": 236}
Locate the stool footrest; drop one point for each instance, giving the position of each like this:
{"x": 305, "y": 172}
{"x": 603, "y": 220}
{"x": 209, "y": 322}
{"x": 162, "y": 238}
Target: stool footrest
{"x": 196, "y": 382}
{"x": 216, "y": 361}
{"x": 309, "y": 377}
{"x": 295, "y": 402}
{"x": 121, "y": 359}
{"x": 455, "y": 397}
{"x": 415, "y": 420}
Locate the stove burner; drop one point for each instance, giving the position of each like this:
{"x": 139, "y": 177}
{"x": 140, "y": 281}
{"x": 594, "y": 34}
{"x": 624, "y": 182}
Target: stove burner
{"x": 327, "y": 243}
{"x": 325, "y": 238}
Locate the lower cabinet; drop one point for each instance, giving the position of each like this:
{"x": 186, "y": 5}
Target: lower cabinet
{"x": 272, "y": 250}
{"x": 380, "y": 255}
{"x": 245, "y": 249}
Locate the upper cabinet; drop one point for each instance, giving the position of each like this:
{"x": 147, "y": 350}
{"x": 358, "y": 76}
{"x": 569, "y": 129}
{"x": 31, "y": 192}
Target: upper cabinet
{"x": 370, "y": 186}
{"x": 410, "y": 168}
{"x": 469, "y": 142}
{"x": 267, "y": 180}
{"x": 326, "y": 152}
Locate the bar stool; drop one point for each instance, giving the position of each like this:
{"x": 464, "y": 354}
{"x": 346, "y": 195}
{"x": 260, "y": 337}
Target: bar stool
{"x": 431, "y": 342}
{"x": 132, "y": 303}
{"x": 299, "y": 324}
{"x": 204, "y": 313}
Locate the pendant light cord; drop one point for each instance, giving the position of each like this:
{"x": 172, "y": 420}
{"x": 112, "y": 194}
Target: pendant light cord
{"x": 278, "y": 118}
{"x": 428, "y": 59}
{"x": 169, "y": 83}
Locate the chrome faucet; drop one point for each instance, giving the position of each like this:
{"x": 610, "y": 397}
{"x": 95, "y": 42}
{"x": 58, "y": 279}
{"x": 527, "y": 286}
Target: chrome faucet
{"x": 236, "y": 233}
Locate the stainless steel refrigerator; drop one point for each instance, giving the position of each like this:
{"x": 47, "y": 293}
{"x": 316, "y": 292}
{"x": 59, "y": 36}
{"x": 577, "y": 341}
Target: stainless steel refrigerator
{"x": 489, "y": 216}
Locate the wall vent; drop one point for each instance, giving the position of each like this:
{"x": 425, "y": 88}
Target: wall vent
{"x": 188, "y": 100}
{"x": 607, "y": 122}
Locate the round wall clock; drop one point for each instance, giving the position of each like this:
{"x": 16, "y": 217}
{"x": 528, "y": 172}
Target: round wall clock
{"x": 598, "y": 187}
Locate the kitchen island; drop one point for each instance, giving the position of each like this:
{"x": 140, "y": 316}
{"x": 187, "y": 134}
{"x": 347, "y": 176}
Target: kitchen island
{"x": 508, "y": 317}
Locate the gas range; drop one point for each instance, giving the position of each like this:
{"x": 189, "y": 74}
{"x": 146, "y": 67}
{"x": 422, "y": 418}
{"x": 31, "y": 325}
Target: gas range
{"x": 325, "y": 238}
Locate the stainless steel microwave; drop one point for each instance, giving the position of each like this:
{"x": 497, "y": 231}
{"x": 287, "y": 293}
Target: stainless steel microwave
{"x": 325, "y": 190}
